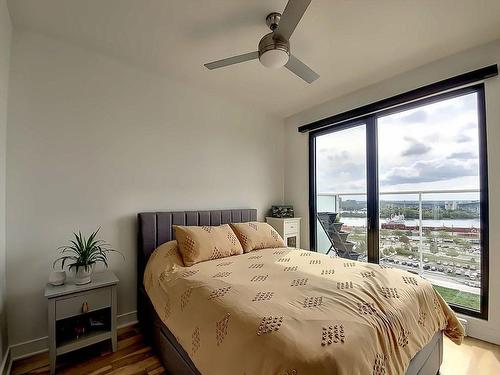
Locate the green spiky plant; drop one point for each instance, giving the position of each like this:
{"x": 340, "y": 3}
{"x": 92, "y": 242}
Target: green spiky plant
{"x": 85, "y": 252}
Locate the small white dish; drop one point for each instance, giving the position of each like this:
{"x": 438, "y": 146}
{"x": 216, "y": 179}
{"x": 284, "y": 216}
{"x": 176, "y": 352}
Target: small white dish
{"x": 57, "y": 278}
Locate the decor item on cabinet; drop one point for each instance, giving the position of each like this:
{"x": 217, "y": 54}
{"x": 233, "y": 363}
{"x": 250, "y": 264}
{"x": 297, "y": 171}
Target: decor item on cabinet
{"x": 288, "y": 228}
{"x": 282, "y": 211}
{"x": 57, "y": 278}
{"x": 83, "y": 254}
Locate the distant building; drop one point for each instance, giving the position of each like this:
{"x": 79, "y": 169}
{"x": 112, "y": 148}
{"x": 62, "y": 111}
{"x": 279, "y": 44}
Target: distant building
{"x": 452, "y": 205}
{"x": 472, "y": 206}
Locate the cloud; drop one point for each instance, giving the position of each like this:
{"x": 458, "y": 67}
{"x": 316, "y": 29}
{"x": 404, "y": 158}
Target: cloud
{"x": 463, "y": 138}
{"x": 337, "y": 157}
{"x": 468, "y": 101}
{"x": 415, "y": 148}
{"x": 431, "y": 171}
{"x": 332, "y": 170}
{"x": 340, "y": 171}
{"x": 432, "y": 138}
{"x": 463, "y": 155}
{"x": 418, "y": 116}
{"x": 470, "y": 125}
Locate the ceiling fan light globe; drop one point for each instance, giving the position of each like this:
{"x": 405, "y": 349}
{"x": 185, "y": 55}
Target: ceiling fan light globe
{"x": 274, "y": 58}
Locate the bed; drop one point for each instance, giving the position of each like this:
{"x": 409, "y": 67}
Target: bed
{"x": 155, "y": 229}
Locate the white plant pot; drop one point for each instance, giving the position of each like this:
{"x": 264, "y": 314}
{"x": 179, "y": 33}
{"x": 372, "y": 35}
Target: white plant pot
{"x": 84, "y": 275}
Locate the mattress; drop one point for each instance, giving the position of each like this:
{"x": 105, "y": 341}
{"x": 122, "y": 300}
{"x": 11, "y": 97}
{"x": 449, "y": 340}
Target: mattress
{"x": 296, "y": 312}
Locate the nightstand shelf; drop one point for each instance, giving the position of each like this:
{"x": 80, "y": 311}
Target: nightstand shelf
{"x": 81, "y": 315}
{"x": 85, "y": 340}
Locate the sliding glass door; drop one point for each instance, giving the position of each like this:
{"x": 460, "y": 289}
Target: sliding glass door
{"x": 341, "y": 221}
{"x": 407, "y": 187}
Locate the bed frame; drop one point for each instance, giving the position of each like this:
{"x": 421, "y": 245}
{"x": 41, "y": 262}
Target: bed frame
{"x": 155, "y": 228}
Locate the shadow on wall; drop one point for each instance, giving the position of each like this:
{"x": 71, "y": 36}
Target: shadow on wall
{"x": 126, "y": 234}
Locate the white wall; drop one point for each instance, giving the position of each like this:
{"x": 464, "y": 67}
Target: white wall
{"x": 92, "y": 142}
{"x": 5, "y": 41}
{"x": 296, "y": 152}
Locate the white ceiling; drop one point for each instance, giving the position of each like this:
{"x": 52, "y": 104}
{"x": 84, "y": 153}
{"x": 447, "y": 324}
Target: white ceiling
{"x": 350, "y": 43}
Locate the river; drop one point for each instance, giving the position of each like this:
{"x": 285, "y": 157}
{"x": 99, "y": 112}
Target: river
{"x": 458, "y": 223}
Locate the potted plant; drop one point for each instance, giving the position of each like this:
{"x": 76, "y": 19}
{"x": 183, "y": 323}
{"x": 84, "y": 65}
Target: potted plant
{"x": 82, "y": 255}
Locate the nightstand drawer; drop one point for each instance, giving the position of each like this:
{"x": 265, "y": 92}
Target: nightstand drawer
{"x": 291, "y": 227}
{"x": 92, "y": 301}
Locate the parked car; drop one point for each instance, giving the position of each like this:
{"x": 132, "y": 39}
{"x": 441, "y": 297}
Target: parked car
{"x": 449, "y": 270}
{"x": 458, "y": 272}
{"x": 441, "y": 269}
{"x": 426, "y": 267}
{"x": 433, "y": 268}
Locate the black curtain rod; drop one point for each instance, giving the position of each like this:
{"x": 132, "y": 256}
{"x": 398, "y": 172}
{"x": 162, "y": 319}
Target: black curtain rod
{"x": 433, "y": 88}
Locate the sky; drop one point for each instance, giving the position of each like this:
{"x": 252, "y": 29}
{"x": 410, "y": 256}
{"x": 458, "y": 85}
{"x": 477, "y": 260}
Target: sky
{"x": 433, "y": 147}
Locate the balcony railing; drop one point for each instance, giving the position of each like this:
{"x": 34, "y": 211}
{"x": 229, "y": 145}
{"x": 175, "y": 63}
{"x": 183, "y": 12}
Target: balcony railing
{"x": 448, "y": 249}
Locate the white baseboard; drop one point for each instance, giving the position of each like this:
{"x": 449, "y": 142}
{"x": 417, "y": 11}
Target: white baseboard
{"x": 127, "y": 319}
{"x": 29, "y": 348}
{"x": 40, "y": 345}
{"x": 6, "y": 363}
{"x": 480, "y": 329}
{"x": 487, "y": 335}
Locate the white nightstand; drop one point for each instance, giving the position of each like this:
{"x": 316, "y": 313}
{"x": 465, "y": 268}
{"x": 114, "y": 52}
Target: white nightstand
{"x": 288, "y": 228}
{"x": 81, "y": 315}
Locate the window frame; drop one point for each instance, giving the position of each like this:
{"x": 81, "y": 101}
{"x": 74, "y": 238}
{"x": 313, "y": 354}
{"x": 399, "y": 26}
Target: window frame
{"x": 370, "y": 121}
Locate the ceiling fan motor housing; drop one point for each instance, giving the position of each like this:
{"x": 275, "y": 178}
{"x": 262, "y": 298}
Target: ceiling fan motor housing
{"x": 273, "y": 52}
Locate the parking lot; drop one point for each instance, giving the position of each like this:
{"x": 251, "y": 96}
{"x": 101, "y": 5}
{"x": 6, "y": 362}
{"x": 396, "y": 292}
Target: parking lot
{"x": 447, "y": 271}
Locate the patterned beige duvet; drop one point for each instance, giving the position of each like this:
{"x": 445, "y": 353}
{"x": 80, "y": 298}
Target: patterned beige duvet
{"x": 284, "y": 311}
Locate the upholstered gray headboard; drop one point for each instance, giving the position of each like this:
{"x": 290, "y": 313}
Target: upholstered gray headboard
{"x": 155, "y": 228}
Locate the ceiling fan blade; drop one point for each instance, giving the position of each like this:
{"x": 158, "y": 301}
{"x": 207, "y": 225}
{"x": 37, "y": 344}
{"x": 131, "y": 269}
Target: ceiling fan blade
{"x": 293, "y": 13}
{"x": 232, "y": 60}
{"x": 302, "y": 70}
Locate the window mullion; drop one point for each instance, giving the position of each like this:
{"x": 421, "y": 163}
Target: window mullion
{"x": 372, "y": 202}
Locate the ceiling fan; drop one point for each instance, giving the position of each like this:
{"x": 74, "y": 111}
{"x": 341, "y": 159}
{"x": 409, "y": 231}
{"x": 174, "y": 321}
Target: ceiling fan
{"x": 274, "y": 48}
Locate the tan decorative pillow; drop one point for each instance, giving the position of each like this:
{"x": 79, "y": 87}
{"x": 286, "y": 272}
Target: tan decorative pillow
{"x": 255, "y": 236}
{"x": 197, "y": 244}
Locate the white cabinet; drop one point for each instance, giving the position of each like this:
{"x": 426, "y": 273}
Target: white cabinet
{"x": 288, "y": 228}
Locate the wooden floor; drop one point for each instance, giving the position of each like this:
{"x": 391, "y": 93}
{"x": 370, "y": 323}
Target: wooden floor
{"x": 473, "y": 357}
{"x": 132, "y": 357}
